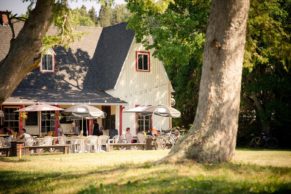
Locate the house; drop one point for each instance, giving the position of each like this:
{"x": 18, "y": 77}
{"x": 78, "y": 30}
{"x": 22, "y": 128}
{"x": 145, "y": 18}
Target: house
{"x": 106, "y": 68}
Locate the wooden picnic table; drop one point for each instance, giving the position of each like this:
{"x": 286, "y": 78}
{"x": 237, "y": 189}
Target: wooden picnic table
{"x": 5, "y": 150}
{"x": 119, "y": 146}
{"x": 49, "y": 148}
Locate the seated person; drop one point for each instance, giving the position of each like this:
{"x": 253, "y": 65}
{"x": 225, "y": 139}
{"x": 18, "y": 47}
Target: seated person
{"x": 3, "y": 129}
{"x": 22, "y": 135}
{"x": 60, "y": 131}
{"x": 112, "y": 133}
{"x": 128, "y": 135}
{"x": 100, "y": 131}
{"x": 11, "y": 135}
{"x": 154, "y": 132}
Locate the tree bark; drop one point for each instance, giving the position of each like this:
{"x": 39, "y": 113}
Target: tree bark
{"x": 23, "y": 49}
{"x": 213, "y": 135}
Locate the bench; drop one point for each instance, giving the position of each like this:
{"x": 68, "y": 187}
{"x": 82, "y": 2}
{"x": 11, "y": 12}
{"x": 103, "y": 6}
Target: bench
{"x": 111, "y": 146}
{"x": 63, "y": 148}
{"x": 5, "y": 150}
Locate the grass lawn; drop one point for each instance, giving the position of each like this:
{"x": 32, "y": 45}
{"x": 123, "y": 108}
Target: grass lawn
{"x": 135, "y": 172}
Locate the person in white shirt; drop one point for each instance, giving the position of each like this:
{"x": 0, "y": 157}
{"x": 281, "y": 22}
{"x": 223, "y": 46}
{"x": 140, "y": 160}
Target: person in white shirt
{"x": 22, "y": 135}
{"x": 128, "y": 135}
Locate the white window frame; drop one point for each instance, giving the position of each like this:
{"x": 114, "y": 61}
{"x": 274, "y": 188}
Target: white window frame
{"x": 143, "y": 53}
{"x": 143, "y": 122}
{"x": 53, "y": 63}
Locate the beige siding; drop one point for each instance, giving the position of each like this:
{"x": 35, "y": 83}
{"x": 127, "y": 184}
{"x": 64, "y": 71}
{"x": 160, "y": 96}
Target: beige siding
{"x": 142, "y": 88}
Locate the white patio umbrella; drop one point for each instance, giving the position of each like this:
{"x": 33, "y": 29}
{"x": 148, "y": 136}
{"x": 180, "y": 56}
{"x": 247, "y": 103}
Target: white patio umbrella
{"x": 160, "y": 110}
{"x": 85, "y": 111}
{"x": 139, "y": 109}
{"x": 39, "y": 107}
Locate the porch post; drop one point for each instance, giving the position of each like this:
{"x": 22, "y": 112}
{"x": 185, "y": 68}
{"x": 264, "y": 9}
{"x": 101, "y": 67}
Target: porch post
{"x": 120, "y": 119}
{"x": 20, "y": 119}
{"x": 57, "y": 122}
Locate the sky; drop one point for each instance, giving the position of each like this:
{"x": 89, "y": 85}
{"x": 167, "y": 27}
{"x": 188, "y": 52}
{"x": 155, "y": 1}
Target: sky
{"x": 18, "y": 7}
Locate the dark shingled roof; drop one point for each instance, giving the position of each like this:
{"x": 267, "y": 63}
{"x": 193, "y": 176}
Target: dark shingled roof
{"x": 82, "y": 72}
{"x": 110, "y": 54}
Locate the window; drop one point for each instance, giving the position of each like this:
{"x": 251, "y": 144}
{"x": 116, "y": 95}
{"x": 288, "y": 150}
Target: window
{"x": 144, "y": 122}
{"x": 109, "y": 121}
{"x": 143, "y": 61}
{"x": 31, "y": 118}
{"x": 11, "y": 119}
{"x": 47, "y": 121}
{"x": 47, "y": 63}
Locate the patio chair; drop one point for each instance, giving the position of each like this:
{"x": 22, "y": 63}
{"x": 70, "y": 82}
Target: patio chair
{"x": 62, "y": 140}
{"x": 115, "y": 139}
{"x": 91, "y": 143}
{"x": 2, "y": 142}
{"x": 141, "y": 138}
{"x": 78, "y": 144}
{"x": 102, "y": 141}
{"x": 29, "y": 141}
{"x": 46, "y": 141}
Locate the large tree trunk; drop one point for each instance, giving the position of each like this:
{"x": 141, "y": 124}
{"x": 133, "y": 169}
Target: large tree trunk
{"x": 213, "y": 135}
{"x": 23, "y": 49}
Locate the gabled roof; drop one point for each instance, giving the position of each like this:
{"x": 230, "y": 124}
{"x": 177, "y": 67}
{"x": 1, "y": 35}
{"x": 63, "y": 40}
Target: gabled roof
{"x": 110, "y": 54}
{"x": 90, "y": 65}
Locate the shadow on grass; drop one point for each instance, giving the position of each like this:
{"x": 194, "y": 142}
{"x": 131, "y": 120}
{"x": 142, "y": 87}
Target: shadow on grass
{"x": 13, "y": 159}
{"x": 162, "y": 180}
{"x": 182, "y": 184}
{"x": 240, "y": 168}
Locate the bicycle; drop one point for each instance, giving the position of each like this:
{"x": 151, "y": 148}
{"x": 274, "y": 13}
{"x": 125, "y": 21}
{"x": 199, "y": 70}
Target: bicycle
{"x": 167, "y": 139}
{"x": 264, "y": 141}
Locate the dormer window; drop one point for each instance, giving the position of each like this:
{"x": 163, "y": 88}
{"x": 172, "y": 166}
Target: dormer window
{"x": 143, "y": 61}
{"x": 47, "y": 62}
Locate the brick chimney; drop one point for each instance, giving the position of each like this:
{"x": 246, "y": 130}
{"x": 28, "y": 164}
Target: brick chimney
{"x": 4, "y": 18}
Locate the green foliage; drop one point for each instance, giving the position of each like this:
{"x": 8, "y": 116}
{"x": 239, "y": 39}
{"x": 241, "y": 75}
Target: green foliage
{"x": 119, "y": 14}
{"x": 105, "y": 14}
{"x": 81, "y": 17}
{"x": 65, "y": 20}
{"x": 266, "y": 88}
{"x": 176, "y": 33}
{"x": 92, "y": 14}
{"x": 267, "y": 38}
{"x": 177, "y": 36}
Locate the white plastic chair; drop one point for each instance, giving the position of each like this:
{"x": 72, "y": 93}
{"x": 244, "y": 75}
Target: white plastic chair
{"x": 46, "y": 141}
{"x": 141, "y": 138}
{"x": 2, "y": 142}
{"x": 91, "y": 143}
{"x": 62, "y": 140}
{"x": 29, "y": 141}
{"x": 115, "y": 139}
{"x": 102, "y": 141}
